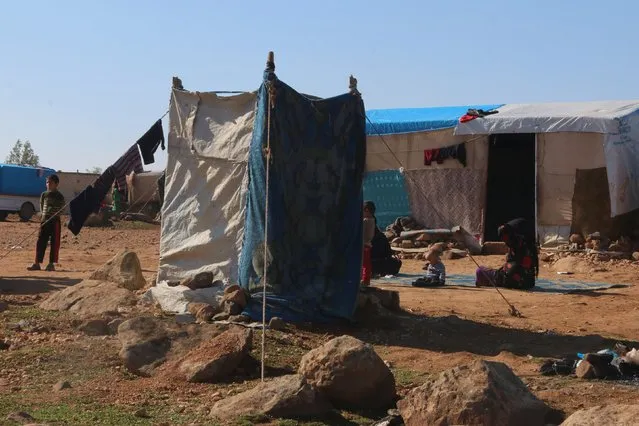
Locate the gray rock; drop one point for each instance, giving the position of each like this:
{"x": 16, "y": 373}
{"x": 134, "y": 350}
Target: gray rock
{"x": 90, "y": 298}
{"x": 217, "y": 359}
{"x": 350, "y": 373}
{"x": 96, "y": 327}
{"x": 277, "y": 323}
{"x": 283, "y": 397}
{"x": 621, "y": 415}
{"x": 124, "y": 270}
{"x": 20, "y": 417}
{"x": 145, "y": 344}
{"x": 200, "y": 280}
{"x": 114, "y": 324}
{"x": 232, "y": 308}
{"x": 61, "y": 386}
{"x": 482, "y": 393}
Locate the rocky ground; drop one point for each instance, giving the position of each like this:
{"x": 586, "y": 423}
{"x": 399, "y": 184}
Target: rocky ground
{"x": 61, "y": 369}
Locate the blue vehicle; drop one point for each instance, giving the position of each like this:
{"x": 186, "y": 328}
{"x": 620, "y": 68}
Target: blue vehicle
{"x": 20, "y": 189}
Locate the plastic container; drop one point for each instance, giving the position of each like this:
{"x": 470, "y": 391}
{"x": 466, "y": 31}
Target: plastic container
{"x": 23, "y": 180}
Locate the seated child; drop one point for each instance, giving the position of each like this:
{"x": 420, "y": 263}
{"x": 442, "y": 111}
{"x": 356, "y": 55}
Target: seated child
{"x": 435, "y": 271}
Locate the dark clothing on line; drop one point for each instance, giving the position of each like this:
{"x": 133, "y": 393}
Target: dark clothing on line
{"x": 457, "y": 152}
{"x": 150, "y": 141}
{"x": 89, "y": 200}
{"x": 49, "y": 232}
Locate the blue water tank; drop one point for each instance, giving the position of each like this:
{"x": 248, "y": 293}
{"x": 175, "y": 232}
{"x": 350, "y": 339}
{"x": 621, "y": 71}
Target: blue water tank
{"x": 23, "y": 180}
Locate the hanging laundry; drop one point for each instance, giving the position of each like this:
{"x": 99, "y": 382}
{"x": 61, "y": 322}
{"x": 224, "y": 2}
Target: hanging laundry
{"x": 129, "y": 162}
{"x": 89, "y": 200}
{"x": 472, "y": 114}
{"x": 439, "y": 155}
{"x": 150, "y": 141}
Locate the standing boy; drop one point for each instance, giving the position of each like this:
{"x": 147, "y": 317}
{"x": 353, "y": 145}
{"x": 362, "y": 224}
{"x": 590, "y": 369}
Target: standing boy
{"x": 51, "y": 203}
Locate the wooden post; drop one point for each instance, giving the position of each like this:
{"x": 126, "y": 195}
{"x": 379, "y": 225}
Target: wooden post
{"x": 177, "y": 83}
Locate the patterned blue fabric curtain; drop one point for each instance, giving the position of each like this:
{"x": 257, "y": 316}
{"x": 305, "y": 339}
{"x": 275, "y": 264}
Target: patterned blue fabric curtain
{"x": 315, "y": 205}
{"x": 387, "y": 189}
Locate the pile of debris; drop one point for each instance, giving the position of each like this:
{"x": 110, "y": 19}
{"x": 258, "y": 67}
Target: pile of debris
{"x": 412, "y": 241}
{"x": 594, "y": 249}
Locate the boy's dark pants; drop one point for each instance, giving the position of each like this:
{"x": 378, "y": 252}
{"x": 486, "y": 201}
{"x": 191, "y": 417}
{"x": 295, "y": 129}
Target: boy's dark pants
{"x": 49, "y": 231}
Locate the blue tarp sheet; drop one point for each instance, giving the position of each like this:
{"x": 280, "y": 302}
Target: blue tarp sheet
{"x": 409, "y": 120}
{"x": 315, "y": 206}
{"x": 387, "y": 189}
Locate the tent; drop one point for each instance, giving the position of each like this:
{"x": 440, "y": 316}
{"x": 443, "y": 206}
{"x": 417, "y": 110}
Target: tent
{"x": 213, "y": 217}
{"x": 568, "y": 167}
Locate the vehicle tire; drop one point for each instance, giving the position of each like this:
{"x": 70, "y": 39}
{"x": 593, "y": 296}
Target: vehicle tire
{"x": 26, "y": 212}
{"x": 3, "y": 215}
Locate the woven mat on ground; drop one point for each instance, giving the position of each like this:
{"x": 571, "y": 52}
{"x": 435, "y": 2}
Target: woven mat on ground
{"x": 542, "y": 284}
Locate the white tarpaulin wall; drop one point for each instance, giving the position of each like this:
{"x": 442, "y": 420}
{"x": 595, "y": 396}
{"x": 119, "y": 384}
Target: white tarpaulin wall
{"x": 622, "y": 161}
{"x": 559, "y": 155}
{"x": 206, "y": 182}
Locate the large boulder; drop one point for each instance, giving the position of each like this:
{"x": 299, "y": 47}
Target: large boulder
{"x": 283, "y": 397}
{"x": 618, "y": 415}
{"x": 217, "y": 359}
{"x": 145, "y": 344}
{"x": 350, "y": 373}
{"x": 124, "y": 269}
{"x": 90, "y": 298}
{"x": 482, "y": 393}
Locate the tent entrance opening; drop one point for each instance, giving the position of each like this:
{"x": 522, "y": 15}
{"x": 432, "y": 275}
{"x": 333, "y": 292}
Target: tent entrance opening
{"x": 510, "y": 191}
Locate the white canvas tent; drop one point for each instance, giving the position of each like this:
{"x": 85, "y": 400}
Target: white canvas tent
{"x": 567, "y": 137}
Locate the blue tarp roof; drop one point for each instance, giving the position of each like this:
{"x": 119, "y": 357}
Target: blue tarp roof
{"x": 409, "y": 120}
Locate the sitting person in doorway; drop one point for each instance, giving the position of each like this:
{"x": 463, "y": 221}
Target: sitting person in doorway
{"x": 383, "y": 259}
{"x": 522, "y": 262}
{"x": 435, "y": 271}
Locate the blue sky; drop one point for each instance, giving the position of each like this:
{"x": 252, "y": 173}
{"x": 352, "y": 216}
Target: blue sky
{"x": 82, "y": 80}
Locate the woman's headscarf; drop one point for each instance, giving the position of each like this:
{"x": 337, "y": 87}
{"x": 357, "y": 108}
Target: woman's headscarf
{"x": 518, "y": 233}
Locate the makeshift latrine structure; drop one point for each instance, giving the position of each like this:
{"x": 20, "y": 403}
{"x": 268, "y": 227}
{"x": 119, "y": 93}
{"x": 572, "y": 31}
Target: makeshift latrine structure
{"x": 232, "y": 157}
{"x": 568, "y": 167}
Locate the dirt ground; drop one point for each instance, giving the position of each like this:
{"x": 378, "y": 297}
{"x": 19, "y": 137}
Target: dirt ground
{"x": 442, "y": 328}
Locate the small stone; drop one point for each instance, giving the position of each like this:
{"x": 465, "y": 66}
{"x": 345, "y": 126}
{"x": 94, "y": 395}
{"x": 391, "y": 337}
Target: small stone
{"x": 61, "y": 386}
{"x": 96, "y": 327}
{"x": 232, "y": 308}
{"x": 276, "y": 323}
{"x": 585, "y": 370}
{"x": 114, "y": 324}
{"x": 238, "y": 297}
{"x": 141, "y": 413}
{"x": 20, "y": 417}
{"x": 407, "y": 244}
{"x": 201, "y": 280}
{"x": 577, "y": 239}
{"x": 232, "y": 288}
{"x": 4, "y": 345}
{"x": 203, "y": 312}
{"x": 243, "y": 319}
{"x": 635, "y": 256}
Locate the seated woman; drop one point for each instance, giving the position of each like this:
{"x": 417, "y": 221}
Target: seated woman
{"x": 383, "y": 259}
{"x": 522, "y": 262}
